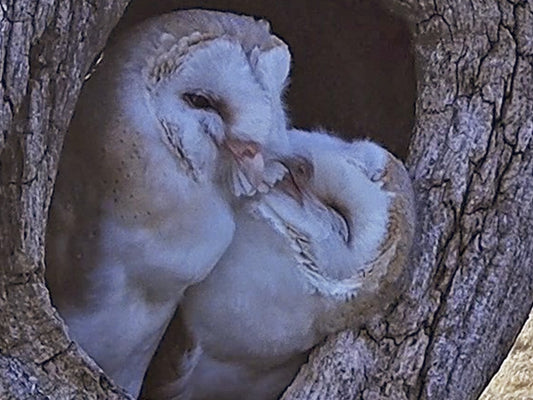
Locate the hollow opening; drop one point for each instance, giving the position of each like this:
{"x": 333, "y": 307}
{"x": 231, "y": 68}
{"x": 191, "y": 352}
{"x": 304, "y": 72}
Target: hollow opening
{"x": 352, "y": 67}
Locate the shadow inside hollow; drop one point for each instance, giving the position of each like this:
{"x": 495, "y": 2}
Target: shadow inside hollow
{"x": 353, "y": 69}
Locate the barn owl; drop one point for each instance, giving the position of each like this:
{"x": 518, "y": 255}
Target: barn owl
{"x": 309, "y": 258}
{"x": 181, "y": 118}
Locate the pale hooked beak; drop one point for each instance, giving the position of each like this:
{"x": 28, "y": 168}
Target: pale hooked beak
{"x": 296, "y": 181}
{"x": 242, "y": 148}
{"x": 249, "y": 174}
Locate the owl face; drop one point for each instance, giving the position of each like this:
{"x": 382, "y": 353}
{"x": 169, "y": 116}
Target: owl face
{"x": 218, "y": 100}
{"x": 332, "y": 212}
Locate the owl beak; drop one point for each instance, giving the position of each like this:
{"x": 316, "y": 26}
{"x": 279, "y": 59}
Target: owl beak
{"x": 295, "y": 183}
{"x": 243, "y": 150}
{"x": 250, "y": 164}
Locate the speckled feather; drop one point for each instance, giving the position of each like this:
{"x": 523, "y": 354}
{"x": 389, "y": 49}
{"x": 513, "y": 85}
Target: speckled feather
{"x": 143, "y": 204}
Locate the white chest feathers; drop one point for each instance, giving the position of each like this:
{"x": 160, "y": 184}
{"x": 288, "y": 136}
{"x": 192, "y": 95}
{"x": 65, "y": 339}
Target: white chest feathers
{"x": 181, "y": 118}
{"x": 308, "y": 258}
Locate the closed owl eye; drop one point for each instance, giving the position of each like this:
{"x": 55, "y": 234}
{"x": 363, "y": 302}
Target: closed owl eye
{"x": 343, "y": 221}
{"x": 199, "y": 101}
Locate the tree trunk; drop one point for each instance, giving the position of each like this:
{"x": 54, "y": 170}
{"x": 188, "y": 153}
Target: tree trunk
{"x": 471, "y": 275}
{"x": 46, "y": 48}
{"x": 513, "y": 380}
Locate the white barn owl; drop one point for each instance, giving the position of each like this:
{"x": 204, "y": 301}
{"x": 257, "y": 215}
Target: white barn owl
{"x": 308, "y": 258}
{"x": 181, "y": 118}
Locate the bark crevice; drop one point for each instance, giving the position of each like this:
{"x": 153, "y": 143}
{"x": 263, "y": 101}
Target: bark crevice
{"x": 470, "y": 282}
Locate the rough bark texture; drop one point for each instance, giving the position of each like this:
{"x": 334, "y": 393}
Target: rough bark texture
{"x": 513, "y": 380}
{"x": 472, "y": 270}
{"x": 471, "y": 277}
{"x": 46, "y": 48}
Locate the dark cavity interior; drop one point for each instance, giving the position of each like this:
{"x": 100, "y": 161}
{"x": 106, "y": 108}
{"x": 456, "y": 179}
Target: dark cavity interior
{"x": 353, "y": 68}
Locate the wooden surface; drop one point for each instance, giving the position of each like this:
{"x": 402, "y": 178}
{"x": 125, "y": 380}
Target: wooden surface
{"x": 470, "y": 280}
{"x": 514, "y": 378}
{"x": 46, "y": 48}
{"x": 471, "y": 160}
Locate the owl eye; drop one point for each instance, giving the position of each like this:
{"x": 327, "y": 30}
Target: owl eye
{"x": 199, "y": 101}
{"x": 344, "y": 224}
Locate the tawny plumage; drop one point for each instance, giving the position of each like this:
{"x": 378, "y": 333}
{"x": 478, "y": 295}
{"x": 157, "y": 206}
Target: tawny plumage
{"x": 181, "y": 118}
{"x": 308, "y": 258}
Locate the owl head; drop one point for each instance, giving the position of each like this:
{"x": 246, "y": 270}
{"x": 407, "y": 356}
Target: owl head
{"x": 347, "y": 212}
{"x": 209, "y": 86}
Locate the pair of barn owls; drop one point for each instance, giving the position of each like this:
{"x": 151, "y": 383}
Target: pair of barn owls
{"x": 181, "y": 187}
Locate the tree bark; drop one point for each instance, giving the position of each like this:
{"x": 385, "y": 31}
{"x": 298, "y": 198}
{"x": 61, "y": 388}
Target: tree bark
{"x": 471, "y": 275}
{"x": 46, "y": 48}
{"x": 470, "y": 280}
{"x": 513, "y": 380}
